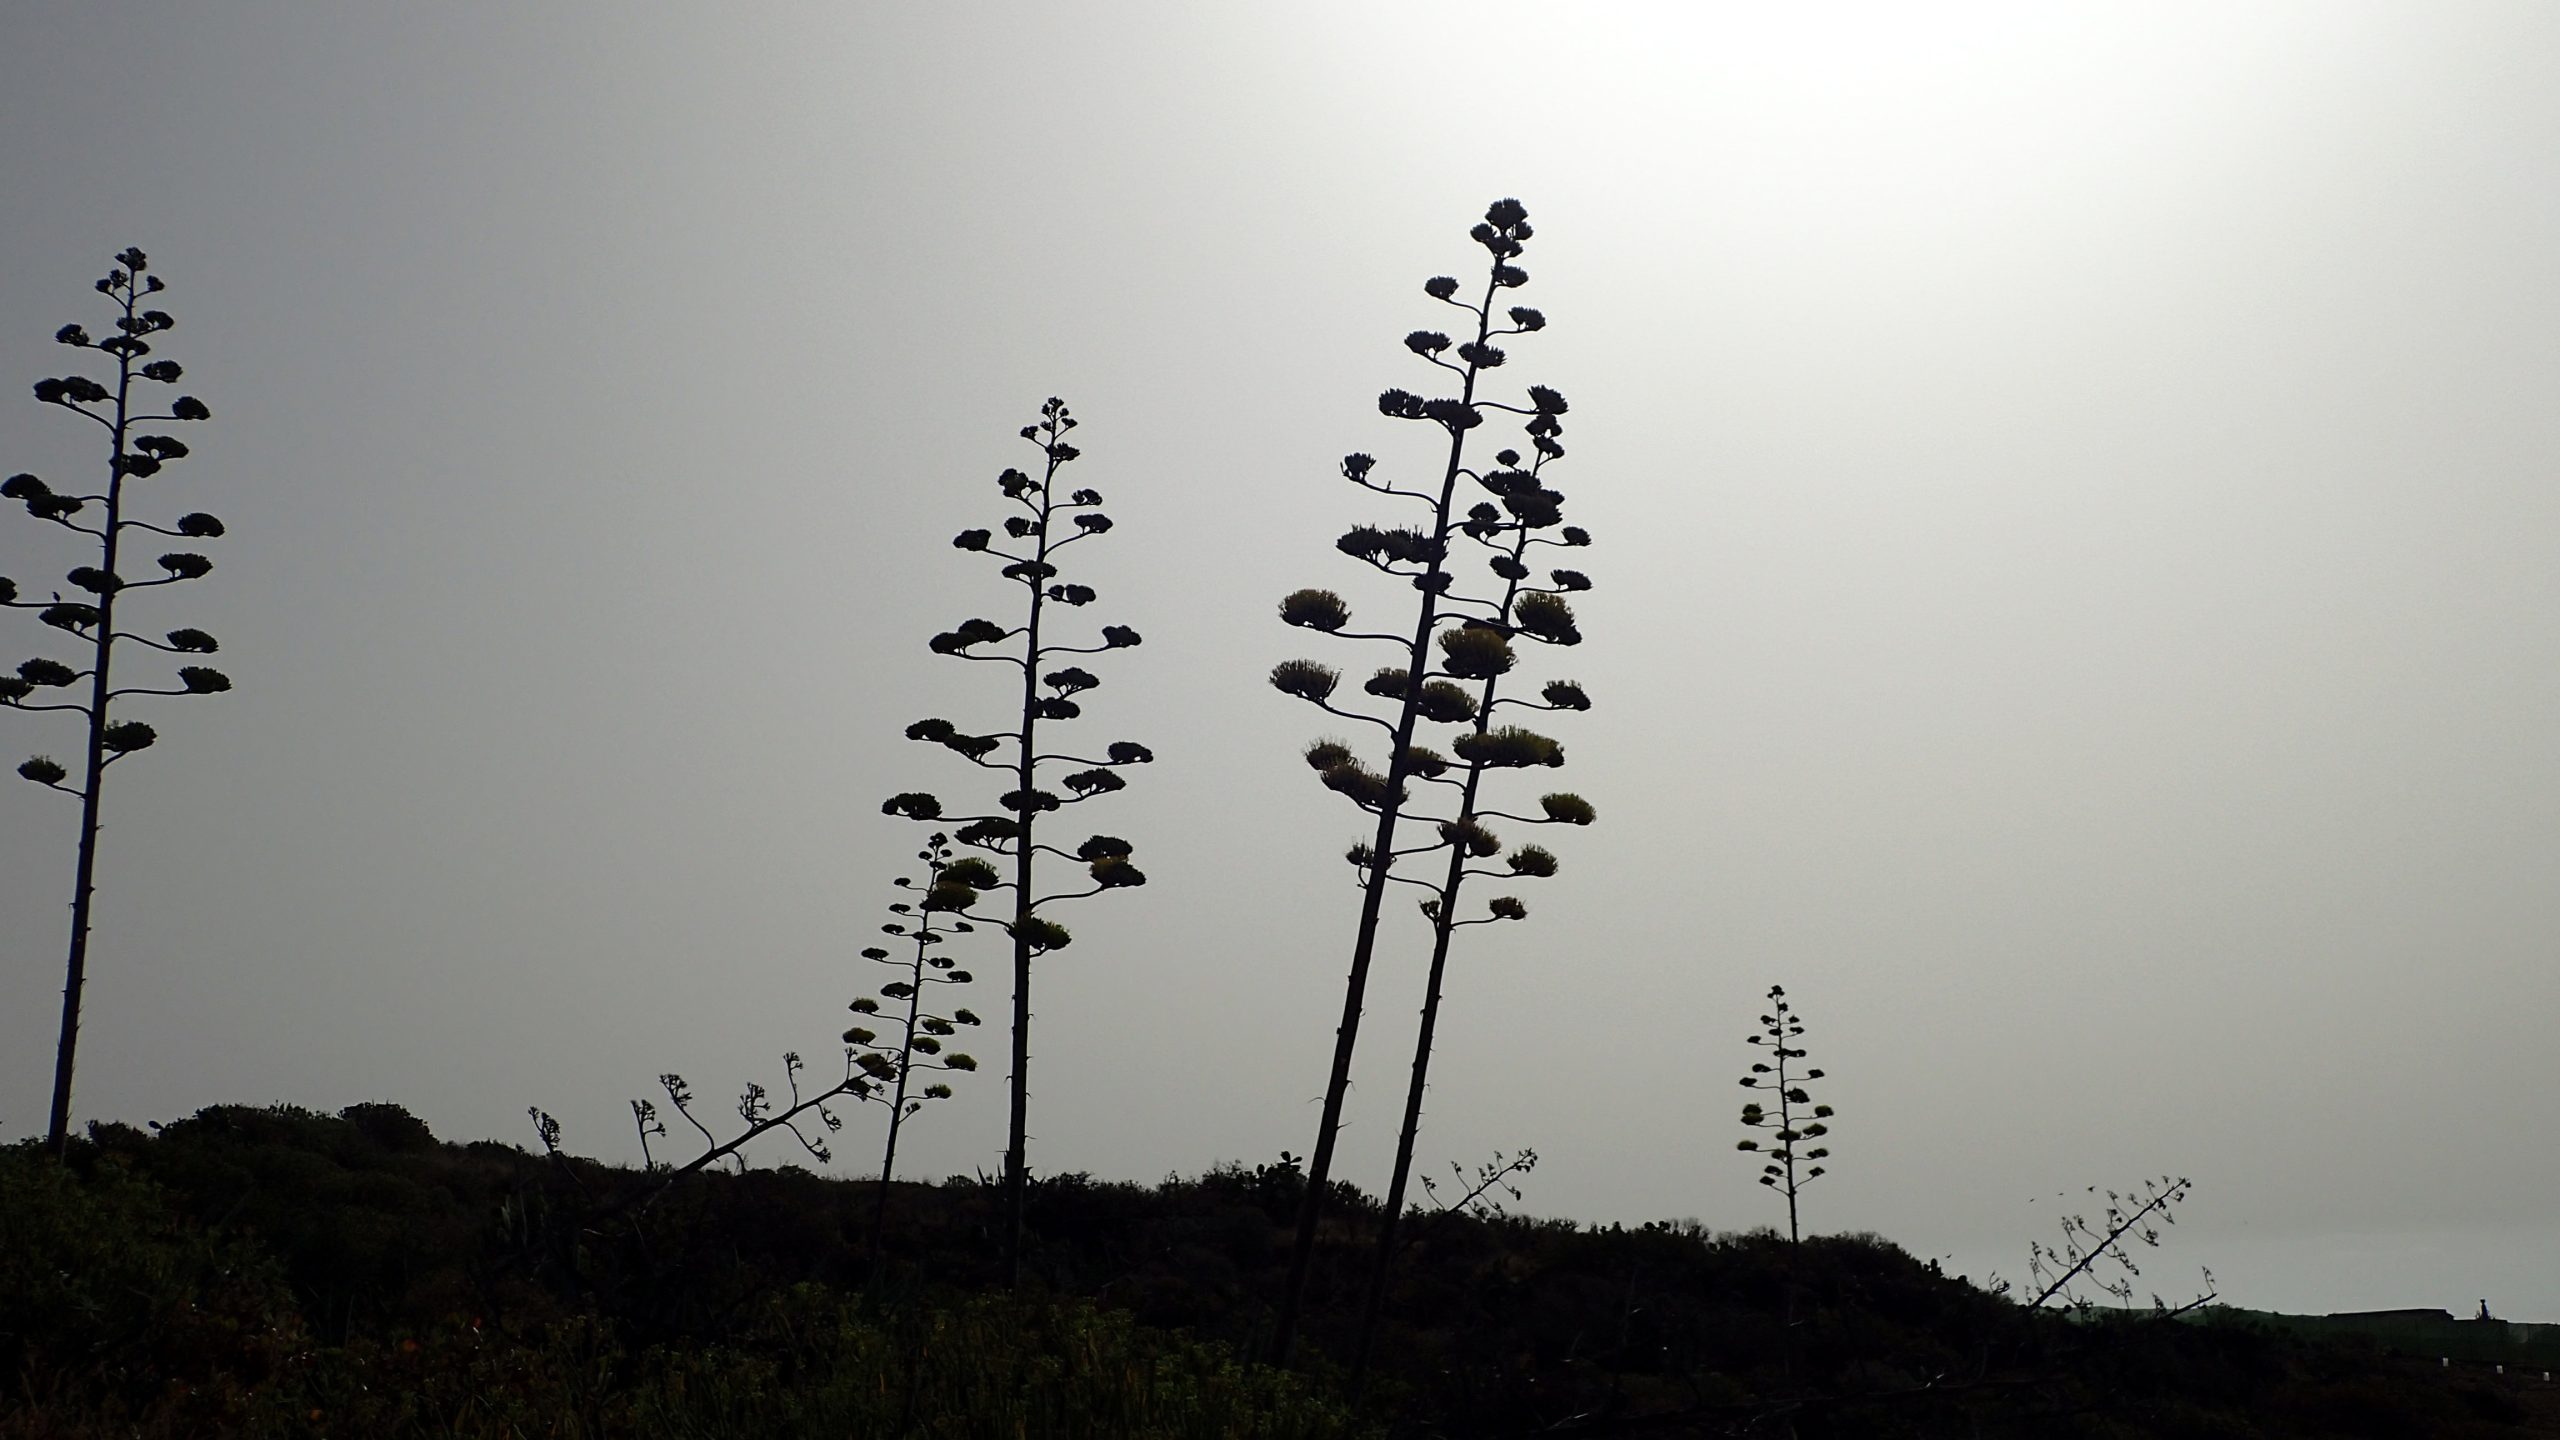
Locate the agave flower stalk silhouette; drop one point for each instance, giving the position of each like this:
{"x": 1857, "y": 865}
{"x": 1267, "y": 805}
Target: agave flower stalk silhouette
{"x": 951, "y": 885}
{"x": 89, "y": 616}
{"x": 2098, "y": 1255}
{"x": 1445, "y": 672}
{"x": 756, "y": 1106}
{"x": 1484, "y": 651}
{"x": 1791, "y": 1158}
{"x": 875, "y": 1068}
{"x": 1049, "y": 518}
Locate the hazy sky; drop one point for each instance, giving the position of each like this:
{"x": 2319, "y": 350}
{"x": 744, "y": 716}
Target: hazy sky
{"x": 2073, "y": 492}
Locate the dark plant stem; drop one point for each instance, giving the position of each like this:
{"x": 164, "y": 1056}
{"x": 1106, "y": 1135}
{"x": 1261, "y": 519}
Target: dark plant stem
{"x": 84, "y": 883}
{"x": 1355, "y": 986}
{"x": 754, "y": 1132}
{"x": 2124, "y": 1225}
{"x": 1443, "y": 928}
{"x": 1383, "y": 1266}
{"x": 1787, "y": 1153}
{"x": 1017, "y": 1178}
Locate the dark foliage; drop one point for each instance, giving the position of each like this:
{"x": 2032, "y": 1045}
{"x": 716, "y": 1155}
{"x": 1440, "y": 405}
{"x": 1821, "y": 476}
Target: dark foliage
{"x": 246, "y": 1268}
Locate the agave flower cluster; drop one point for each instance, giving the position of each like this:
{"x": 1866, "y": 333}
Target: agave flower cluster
{"x": 87, "y": 610}
{"x": 1445, "y": 707}
{"x": 1792, "y": 1156}
{"x": 1047, "y": 516}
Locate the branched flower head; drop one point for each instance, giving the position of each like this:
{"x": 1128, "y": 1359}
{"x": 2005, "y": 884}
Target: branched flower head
{"x": 1095, "y": 782}
{"x": 1114, "y": 872}
{"x": 1305, "y": 679}
{"x": 1532, "y": 860}
{"x": 1040, "y": 934}
{"x": 971, "y": 871}
{"x": 1315, "y": 610}
{"x": 1424, "y": 761}
{"x": 1508, "y": 747}
{"x": 1567, "y": 809}
{"x": 1358, "y": 782}
{"x": 914, "y": 805}
{"x": 1546, "y": 616}
{"x": 126, "y": 736}
{"x": 1475, "y": 652}
{"x": 1445, "y": 703}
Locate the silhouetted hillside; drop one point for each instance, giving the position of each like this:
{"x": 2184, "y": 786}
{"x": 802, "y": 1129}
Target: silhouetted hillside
{"x": 279, "y": 1272}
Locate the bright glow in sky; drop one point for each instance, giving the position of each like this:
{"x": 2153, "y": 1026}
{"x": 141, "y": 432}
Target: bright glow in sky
{"x": 2074, "y": 513}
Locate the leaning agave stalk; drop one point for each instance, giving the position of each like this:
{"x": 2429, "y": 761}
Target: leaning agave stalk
{"x": 1453, "y": 644}
{"x": 1484, "y": 652}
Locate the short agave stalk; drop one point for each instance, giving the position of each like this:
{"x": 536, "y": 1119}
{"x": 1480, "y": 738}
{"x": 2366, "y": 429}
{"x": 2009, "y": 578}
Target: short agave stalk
{"x": 875, "y": 1068}
{"x": 89, "y": 614}
{"x": 1477, "y": 1198}
{"x": 1792, "y": 1159}
{"x": 901, "y": 1064}
{"x": 1482, "y": 654}
{"x": 2095, "y": 1253}
{"x": 1437, "y": 671}
{"x": 1048, "y": 518}
{"x": 761, "y": 1111}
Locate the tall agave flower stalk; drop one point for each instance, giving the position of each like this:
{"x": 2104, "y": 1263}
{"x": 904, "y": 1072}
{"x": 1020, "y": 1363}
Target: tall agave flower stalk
{"x": 1456, "y": 643}
{"x": 951, "y": 885}
{"x": 1049, "y": 517}
{"x": 1483, "y": 652}
{"x": 90, "y": 616}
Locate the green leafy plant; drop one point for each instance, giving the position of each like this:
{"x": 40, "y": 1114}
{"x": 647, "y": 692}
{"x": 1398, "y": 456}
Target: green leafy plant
{"x": 89, "y": 614}
{"x": 1447, "y": 671}
{"x": 1048, "y": 517}
{"x": 1792, "y": 1161}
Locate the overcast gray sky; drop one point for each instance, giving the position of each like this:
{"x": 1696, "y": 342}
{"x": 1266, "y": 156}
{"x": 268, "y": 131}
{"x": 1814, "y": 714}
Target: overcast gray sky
{"x": 2073, "y": 492}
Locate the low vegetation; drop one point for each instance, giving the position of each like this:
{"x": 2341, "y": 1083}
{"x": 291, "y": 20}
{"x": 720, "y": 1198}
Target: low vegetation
{"x": 276, "y": 1272}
